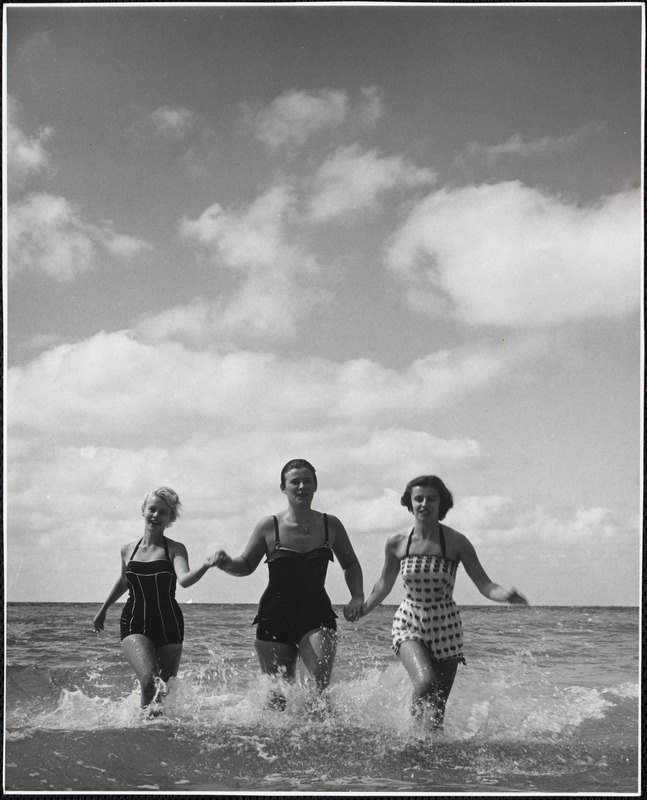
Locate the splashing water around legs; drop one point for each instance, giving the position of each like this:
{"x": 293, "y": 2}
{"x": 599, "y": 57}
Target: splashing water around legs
{"x": 432, "y": 682}
{"x": 151, "y": 663}
{"x": 543, "y": 708}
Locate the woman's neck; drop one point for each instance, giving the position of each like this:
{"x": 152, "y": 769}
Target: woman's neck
{"x": 428, "y": 530}
{"x": 299, "y": 514}
{"x": 152, "y": 538}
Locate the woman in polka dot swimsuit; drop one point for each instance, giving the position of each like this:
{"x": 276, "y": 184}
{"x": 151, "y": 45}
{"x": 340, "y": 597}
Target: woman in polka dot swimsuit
{"x": 427, "y": 630}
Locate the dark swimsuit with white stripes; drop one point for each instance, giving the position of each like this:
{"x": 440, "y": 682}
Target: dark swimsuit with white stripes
{"x": 428, "y": 613}
{"x": 151, "y": 608}
{"x": 295, "y": 601}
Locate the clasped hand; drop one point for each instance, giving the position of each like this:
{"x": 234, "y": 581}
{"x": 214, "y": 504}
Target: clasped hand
{"x": 353, "y": 611}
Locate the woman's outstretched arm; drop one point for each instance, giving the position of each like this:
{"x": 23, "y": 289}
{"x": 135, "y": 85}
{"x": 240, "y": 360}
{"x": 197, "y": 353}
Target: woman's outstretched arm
{"x": 117, "y": 590}
{"x": 246, "y": 563}
{"x": 487, "y": 587}
{"x": 386, "y": 580}
{"x": 353, "y": 576}
{"x": 185, "y": 575}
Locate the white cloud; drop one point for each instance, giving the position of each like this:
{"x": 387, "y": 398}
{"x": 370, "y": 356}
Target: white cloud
{"x": 91, "y": 426}
{"x": 247, "y": 239}
{"x": 294, "y": 116}
{"x": 553, "y": 554}
{"x": 94, "y": 424}
{"x": 200, "y": 161}
{"x": 370, "y": 109}
{"x": 510, "y": 521}
{"x": 78, "y": 392}
{"x": 291, "y": 119}
{"x": 26, "y": 155}
{"x": 166, "y": 122}
{"x": 507, "y": 254}
{"x": 353, "y": 179}
{"x": 47, "y": 234}
{"x": 278, "y": 281}
{"x": 516, "y": 146}
{"x": 172, "y": 123}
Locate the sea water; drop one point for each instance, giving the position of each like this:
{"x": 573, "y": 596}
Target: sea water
{"x": 547, "y": 703}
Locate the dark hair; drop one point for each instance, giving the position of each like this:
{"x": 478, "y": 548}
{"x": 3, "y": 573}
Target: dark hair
{"x": 446, "y": 499}
{"x": 297, "y": 463}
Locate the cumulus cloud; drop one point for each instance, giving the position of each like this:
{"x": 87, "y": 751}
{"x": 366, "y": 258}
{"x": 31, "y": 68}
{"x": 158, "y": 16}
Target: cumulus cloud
{"x": 353, "y": 179}
{"x": 93, "y": 425}
{"x": 166, "y": 122}
{"x": 26, "y": 155}
{"x": 494, "y": 519}
{"x": 77, "y": 391}
{"x": 291, "y": 119}
{"x": 277, "y": 279}
{"x": 172, "y": 123}
{"x": 294, "y": 116}
{"x": 517, "y": 147}
{"x": 551, "y": 553}
{"x": 245, "y": 239}
{"x": 507, "y": 254}
{"x": 200, "y": 160}
{"x": 370, "y": 108}
{"x": 48, "y": 235}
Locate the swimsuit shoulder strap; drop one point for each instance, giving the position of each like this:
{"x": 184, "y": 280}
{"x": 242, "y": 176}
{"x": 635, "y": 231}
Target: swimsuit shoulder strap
{"x": 442, "y": 539}
{"x": 325, "y": 518}
{"x": 409, "y": 543}
{"x": 277, "y": 542}
{"x": 132, "y": 555}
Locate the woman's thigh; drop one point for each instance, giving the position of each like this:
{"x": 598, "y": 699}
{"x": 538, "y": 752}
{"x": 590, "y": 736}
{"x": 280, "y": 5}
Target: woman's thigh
{"x": 277, "y": 658}
{"x": 141, "y": 655}
{"x": 317, "y": 651}
{"x": 168, "y": 659}
{"x": 425, "y": 671}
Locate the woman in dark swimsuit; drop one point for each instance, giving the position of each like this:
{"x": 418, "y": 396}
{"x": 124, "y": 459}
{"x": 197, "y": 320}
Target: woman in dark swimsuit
{"x": 152, "y": 627}
{"x": 295, "y": 620}
{"x": 427, "y": 633}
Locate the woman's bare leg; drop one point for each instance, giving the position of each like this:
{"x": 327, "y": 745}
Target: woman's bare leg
{"x": 142, "y": 657}
{"x": 317, "y": 651}
{"x": 432, "y": 681}
{"x": 279, "y": 660}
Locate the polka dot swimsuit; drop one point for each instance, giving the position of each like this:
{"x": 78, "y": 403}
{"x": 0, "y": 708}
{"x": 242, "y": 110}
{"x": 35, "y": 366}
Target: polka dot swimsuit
{"x": 428, "y": 612}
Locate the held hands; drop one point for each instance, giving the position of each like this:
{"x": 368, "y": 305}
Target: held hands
{"x": 221, "y": 560}
{"x": 210, "y": 561}
{"x": 353, "y": 611}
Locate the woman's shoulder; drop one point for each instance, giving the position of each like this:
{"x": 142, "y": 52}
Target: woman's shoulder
{"x": 175, "y": 548}
{"x": 456, "y": 540}
{"x": 265, "y": 526}
{"x": 129, "y": 548}
{"x": 452, "y": 532}
{"x": 332, "y": 520}
{"x": 396, "y": 543}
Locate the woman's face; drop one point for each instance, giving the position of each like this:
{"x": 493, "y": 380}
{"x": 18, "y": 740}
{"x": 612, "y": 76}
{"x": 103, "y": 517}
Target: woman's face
{"x": 425, "y": 503}
{"x": 299, "y": 485}
{"x": 157, "y": 513}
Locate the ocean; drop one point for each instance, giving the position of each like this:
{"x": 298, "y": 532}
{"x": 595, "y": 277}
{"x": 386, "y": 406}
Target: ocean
{"x": 547, "y": 703}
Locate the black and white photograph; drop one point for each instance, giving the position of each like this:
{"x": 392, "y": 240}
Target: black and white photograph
{"x": 323, "y": 396}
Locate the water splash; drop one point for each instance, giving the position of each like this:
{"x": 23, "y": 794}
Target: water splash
{"x": 514, "y": 700}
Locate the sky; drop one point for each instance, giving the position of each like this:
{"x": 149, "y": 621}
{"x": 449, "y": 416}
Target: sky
{"x": 391, "y": 239}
